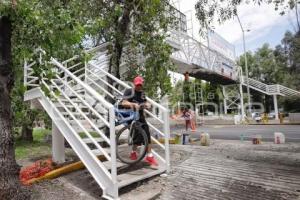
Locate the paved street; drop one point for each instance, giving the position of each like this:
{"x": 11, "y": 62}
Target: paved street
{"x": 233, "y": 132}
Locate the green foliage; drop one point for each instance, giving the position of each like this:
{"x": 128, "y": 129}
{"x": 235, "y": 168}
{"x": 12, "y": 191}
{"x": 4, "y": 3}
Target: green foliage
{"x": 53, "y": 26}
{"x": 136, "y": 29}
{"x": 148, "y": 39}
{"x": 56, "y": 26}
{"x": 208, "y": 12}
{"x": 276, "y": 66}
{"x": 191, "y": 93}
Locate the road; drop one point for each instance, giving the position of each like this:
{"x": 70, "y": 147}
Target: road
{"x": 233, "y": 132}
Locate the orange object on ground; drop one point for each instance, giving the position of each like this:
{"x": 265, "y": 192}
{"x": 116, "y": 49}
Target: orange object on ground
{"x": 37, "y": 169}
{"x": 193, "y": 125}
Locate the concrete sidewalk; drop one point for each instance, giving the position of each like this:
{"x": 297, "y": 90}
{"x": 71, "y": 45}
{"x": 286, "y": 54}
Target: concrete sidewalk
{"x": 225, "y": 170}
{"x": 235, "y": 170}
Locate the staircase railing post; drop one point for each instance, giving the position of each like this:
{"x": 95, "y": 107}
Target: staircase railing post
{"x": 58, "y": 145}
{"x": 112, "y": 132}
{"x": 242, "y": 102}
{"x": 167, "y": 137}
{"x": 25, "y": 72}
{"x": 276, "y": 107}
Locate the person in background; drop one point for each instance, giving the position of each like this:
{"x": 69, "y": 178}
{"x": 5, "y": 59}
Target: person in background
{"x": 187, "y": 115}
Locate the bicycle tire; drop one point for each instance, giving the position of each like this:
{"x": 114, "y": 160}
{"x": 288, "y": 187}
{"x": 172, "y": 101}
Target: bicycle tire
{"x": 125, "y": 158}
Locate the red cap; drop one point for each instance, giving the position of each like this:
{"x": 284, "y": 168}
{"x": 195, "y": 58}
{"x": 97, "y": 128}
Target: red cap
{"x": 138, "y": 81}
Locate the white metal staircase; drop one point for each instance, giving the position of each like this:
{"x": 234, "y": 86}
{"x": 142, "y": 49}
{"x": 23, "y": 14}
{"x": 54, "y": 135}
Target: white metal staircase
{"x": 275, "y": 89}
{"x": 73, "y": 91}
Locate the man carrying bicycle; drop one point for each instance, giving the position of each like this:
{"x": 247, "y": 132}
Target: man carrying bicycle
{"x": 132, "y": 99}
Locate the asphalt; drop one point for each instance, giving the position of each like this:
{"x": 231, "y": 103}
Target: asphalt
{"x": 234, "y": 132}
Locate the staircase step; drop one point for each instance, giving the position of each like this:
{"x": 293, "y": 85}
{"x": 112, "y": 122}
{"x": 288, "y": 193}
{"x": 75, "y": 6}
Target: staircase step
{"x": 98, "y": 152}
{"x": 88, "y": 140}
{"x": 139, "y": 175}
{"x": 76, "y": 113}
{"x": 84, "y": 122}
{"x": 73, "y": 100}
{"x": 58, "y": 105}
{"x": 107, "y": 164}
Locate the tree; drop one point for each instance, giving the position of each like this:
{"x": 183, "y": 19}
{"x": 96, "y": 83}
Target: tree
{"x": 135, "y": 29}
{"x": 287, "y": 55}
{"x": 28, "y": 25}
{"x": 60, "y": 27}
{"x": 263, "y": 67}
{"x": 276, "y": 66}
{"x": 209, "y": 12}
{"x": 9, "y": 170}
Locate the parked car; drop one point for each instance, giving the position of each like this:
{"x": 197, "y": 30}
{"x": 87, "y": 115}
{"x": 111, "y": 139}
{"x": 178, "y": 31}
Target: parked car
{"x": 256, "y": 116}
{"x": 272, "y": 115}
{"x": 208, "y": 113}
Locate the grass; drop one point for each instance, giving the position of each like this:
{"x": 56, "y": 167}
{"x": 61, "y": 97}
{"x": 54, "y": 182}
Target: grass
{"x": 33, "y": 149}
{"x": 38, "y": 148}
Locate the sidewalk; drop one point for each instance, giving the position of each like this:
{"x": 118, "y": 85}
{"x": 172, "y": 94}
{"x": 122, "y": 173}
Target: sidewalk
{"x": 225, "y": 170}
{"x": 236, "y": 170}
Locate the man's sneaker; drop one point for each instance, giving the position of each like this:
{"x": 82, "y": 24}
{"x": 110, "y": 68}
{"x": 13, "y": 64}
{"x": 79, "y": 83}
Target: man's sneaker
{"x": 151, "y": 161}
{"x": 133, "y": 155}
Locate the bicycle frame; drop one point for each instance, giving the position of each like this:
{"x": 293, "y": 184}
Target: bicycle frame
{"x": 124, "y": 116}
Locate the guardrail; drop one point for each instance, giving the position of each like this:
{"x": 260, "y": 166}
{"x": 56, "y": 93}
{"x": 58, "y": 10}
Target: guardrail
{"x": 275, "y": 89}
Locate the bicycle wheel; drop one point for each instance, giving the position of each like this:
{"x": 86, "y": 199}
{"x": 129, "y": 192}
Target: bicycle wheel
{"x": 125, "y": 144}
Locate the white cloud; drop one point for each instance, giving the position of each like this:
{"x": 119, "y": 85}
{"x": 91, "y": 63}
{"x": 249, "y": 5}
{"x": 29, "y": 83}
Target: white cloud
{"x": 259, "y": 19}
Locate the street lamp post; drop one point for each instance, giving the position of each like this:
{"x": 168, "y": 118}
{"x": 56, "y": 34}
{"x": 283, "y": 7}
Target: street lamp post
{"x": 246, "y": 65}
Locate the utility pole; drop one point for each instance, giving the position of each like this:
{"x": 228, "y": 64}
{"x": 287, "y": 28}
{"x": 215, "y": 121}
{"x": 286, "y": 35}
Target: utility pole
{"x": 246, "y": 65}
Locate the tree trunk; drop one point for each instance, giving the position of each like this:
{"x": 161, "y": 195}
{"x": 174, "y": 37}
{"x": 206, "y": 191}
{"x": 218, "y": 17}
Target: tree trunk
{"x": 27, "y": 125}
{"x": 26, "y": 134}
{"x": 10, "y": 187}
{"x": 122, "y": 29}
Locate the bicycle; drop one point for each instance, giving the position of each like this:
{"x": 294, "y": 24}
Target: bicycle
{"x": 127, "y": 137}
{"x": 131, "y": 132}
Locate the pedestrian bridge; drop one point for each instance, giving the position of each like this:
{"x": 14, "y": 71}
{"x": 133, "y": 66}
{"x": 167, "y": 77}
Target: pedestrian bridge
{"x": 204, "y": 63}
{"x": 200, "y": 61}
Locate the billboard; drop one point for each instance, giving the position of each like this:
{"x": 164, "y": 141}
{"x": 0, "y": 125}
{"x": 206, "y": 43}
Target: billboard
{"x": 219, "y": 44}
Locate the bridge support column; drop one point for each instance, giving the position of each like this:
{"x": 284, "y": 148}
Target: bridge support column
{"x": 225, "y": 100}
{"x": 58, "y": 145}
{"x": 276, "y": 107}
{"x": 242, "y": 102}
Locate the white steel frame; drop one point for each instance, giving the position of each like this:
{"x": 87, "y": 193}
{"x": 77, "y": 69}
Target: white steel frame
{"x": 190, "y": 51}
{"x": 68, "y": 83}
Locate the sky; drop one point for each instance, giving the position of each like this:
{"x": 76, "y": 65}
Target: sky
{"x": 264, "y": 23}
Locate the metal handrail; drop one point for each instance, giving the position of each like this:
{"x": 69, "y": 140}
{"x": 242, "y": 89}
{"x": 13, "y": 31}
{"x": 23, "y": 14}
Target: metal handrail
{"x": 274, "y": 89}
{"x": 115, "y": 89}
{"x": 111, "y": 115}
{"x": 127, "y": 86}
{"x": 76, "y": 120}
{"x": 91, "y": 109}
{"x": 85, "y": 86}
{"x": 86, "y": 118}
{"x": 165, "y": 112}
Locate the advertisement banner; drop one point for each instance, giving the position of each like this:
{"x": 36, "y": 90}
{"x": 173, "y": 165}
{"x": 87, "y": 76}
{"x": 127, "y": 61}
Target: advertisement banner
{"x": 219, "y": 44}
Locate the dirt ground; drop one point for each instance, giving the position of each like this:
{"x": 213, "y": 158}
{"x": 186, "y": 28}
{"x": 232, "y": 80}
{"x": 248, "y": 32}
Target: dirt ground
{"x": 200, "y": 173}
